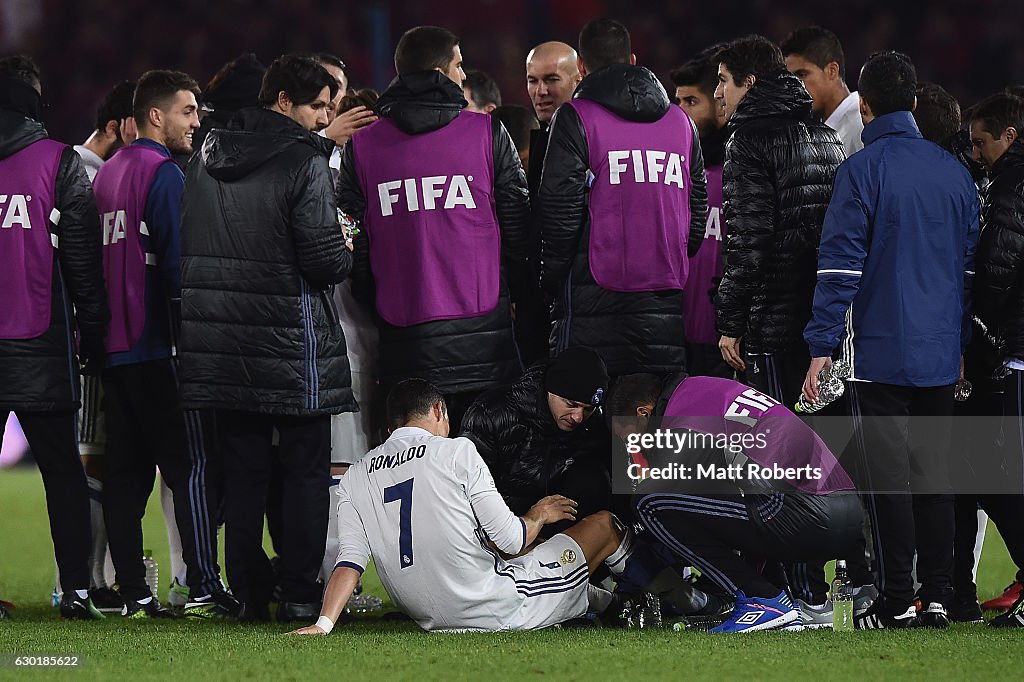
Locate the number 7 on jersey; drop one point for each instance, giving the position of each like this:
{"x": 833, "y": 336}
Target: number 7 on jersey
{"x": 402, "y": 493}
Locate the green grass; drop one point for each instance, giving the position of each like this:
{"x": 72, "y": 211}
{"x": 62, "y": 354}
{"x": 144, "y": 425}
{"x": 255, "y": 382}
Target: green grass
{"x": 372, "y": 649}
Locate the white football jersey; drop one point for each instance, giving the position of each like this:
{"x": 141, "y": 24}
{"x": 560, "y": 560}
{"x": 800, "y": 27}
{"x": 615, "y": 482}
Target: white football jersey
{"x": 422, "y": 506}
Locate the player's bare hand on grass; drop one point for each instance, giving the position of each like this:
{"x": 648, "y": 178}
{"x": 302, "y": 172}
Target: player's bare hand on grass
{"x": 308, "y": 630}
{"x": 552, "y": 509}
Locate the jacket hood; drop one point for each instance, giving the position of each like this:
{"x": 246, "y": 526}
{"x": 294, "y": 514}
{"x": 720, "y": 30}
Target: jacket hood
{"x": 254, "y": 137}
{"x": 18, "y": 132}
{"x": 421, "y": 102}
{"x": 631, "y": 92}
{"x": 781, "y": 95}
{"x": 895, "y": 124}
{"x": 1013, "y": 157}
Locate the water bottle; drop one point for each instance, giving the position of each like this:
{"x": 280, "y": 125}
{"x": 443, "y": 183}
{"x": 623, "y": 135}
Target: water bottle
{"x": 152, "y": 571}
{"x": 842, "y": 600}
{"x": 831, "y": 386}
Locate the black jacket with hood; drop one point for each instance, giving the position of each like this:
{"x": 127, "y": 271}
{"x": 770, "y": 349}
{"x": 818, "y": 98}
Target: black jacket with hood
{"x": 776, "y": 183}
{"x": 260, "y": 250}
{"x": 462, "y": 355}
{"x": 633, "y": 332}
{"x": 524, "y": 449}
{"x": 41, "y": 374}
{"x": 999, "y": 286}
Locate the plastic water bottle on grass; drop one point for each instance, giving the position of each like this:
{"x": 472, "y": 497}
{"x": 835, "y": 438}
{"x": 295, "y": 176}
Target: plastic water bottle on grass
{"x": 152, "y": 571}
{"x": 842, "y": 600}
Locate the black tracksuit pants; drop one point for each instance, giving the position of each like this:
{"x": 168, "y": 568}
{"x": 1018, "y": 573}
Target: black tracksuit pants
{"x": 304, "y": 449}
{"x": 706, "y": 530}
{"x": 53, "y": 437}
{"x": 146, "y": 429}
{"x": 891, "y": 465}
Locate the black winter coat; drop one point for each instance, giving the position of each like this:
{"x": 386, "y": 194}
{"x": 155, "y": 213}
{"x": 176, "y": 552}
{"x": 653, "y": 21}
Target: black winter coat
{"x": 514, "y": 432}
{"x": 633, "y": 332}
{"x": 777, "y": 182}
{"x": 41, "y": 374}
{"x": 462, "y": 355}
{"x": 260, "y": 249}
{"x": 999, "y": 285}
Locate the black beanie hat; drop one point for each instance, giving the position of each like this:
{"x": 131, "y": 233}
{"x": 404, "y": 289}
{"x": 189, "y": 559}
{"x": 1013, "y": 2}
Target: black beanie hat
{"x": 578, "y": 374}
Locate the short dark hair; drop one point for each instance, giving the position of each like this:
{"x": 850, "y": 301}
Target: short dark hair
{"x": 158, "y": 89}
{"x": 604, "y": 42}
{"x": 888, "y": 82}
{"x": 937, "y": 113}
{"x": 366, "y": 97}
{"x": 22, "y": 68}
{"x": 424, "y": 48}
{"x": 518, "y": 121}
{"x": 751, "y": 55}
{"x": 998, "y": 112}
{"x": 116, "y": 105}
{"x": 301, "y": 78}
{"x": 817, "y": 45}
{"x": 409, "y": 399}
{"x": 1017, "y": 90}
{"x": 630, "y": 392}
{"x": 700, "y": 72}
{"x": 483, "y": 89}
{"x": 236, "y": 85}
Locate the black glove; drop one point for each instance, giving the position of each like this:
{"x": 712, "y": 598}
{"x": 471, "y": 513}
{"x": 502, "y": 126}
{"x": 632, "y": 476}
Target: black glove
{"x": 92, "y": 353}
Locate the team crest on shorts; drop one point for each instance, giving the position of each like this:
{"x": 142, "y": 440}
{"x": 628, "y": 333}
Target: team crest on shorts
{"x": 568, "y": 557}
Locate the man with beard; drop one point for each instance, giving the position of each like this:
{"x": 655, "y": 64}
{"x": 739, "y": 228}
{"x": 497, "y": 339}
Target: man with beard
{"x": 138, "y": 195}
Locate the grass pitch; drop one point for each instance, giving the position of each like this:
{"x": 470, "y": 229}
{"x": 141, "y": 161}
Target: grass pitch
{"x": 374, "y": 649}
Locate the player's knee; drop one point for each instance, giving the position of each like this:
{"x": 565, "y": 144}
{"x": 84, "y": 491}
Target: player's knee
{"x": 603, "y": 519}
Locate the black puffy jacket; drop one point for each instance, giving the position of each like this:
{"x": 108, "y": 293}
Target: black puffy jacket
{"x": 999, "y": 285}
{"x": 41, "y": 374}
{"x": 460, "y": 355}
{"x": 633, "y": 332}
{"x": 524, "y": 449}
{"x": 777, "y": 182}
{"x": 260, "y": 249}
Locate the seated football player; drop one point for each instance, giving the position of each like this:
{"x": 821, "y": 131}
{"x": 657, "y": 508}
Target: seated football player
{"x": 723, "y": 468}
{"x": 425, "y": 507}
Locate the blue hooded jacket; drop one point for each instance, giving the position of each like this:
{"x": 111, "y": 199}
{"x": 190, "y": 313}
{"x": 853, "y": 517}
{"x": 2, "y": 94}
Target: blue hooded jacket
{"x": 896, "y": 259}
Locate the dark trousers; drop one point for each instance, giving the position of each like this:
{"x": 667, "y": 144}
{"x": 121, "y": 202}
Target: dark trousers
{"x": 707, "y": 530}
{"x": 780, "y": 375}
{"x": 53, "y": 437}
{"x": 146, "y": 429}
{"x": 1005, "y": 510}
{"x": 894, "y": 455}
{"x": 305, "y": 454}
{"x": 705, "y": 360}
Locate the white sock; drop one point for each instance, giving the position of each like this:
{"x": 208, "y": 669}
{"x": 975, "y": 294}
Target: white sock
{"x": 98, "y": 551}
{"x": 178, "y": 569}
{"x": 598, "y": 598}
{"x": 146, "y": 600}
{"x": 82, "y": 594}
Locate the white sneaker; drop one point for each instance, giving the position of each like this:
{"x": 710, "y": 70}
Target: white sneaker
{"x": 815, "y": 617}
